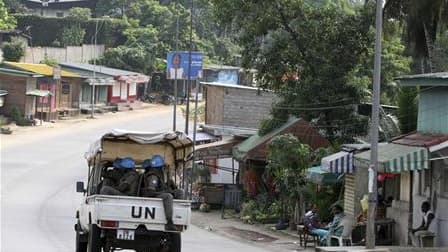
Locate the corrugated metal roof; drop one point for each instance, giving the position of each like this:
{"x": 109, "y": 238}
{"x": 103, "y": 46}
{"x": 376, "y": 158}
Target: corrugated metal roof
{"x": 100, "y": 69}
{"x": 18, "y": 72}
{"x": 305, "y": 132}
{"x": 38, "y": 69}
{"x": 221, "y": 67}
{"x": 430, "y": 79}
{"x": 421, "y": 140}
{"x": 217, "y": 84}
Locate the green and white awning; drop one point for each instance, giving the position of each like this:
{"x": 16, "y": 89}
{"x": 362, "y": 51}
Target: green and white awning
{"x": 396, "y": 158}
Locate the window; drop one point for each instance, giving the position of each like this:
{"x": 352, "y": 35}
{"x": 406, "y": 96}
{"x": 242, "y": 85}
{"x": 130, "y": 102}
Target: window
{"x": 59, "y": 14}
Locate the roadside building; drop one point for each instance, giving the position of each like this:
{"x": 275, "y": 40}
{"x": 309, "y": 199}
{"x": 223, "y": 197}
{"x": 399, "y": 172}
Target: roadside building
{"x": 252, "y": 153}
{"x": 63, "y": 85}
{"x": 56, "y": 8}
{"x": 236, "y": 106}
{"x": 413, "y": 168}
{"x": 17, "y": 83}
{"x": 432, "y": 135}
{"x": 113, "y": 87}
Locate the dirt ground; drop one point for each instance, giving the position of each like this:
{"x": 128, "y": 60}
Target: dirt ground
{"x": 261, "y": 235}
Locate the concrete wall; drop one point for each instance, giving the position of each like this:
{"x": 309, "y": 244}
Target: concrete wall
{"x": 399, "y": 212}
{"x": 437, "y": 195}
{"x": 246, "y": 108}
{"x": 74, "y": 54}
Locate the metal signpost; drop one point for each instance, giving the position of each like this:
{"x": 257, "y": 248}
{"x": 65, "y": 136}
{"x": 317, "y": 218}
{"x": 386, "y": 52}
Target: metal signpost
{"x": 178, "y": 68}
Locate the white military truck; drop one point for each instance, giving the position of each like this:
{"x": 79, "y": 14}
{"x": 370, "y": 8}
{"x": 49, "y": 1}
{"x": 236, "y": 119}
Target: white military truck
{"x": 114, "y": 222}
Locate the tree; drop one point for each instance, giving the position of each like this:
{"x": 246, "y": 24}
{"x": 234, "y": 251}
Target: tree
{"x": 423, "y": 20}
{"x": 14, "y": 50}
{"x": 287, "y": 161}
{"x": 6, "y": 21}
{"x": 408, "y": 109}
{"x": 79, "y": 14}
{"x": 73, "y": 35}
{"x": 306, "y": 55}
{"x": 138, "y": 52}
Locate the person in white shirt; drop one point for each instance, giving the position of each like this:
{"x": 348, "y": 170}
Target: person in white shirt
{"x": 176, "y": 71}
{"x": 422, "y": 230}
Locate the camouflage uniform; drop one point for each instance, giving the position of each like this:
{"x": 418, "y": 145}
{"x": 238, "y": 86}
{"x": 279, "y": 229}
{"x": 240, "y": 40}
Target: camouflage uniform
{"x": 126, "y": 185}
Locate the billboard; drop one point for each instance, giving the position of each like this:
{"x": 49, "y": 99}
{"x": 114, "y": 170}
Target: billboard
{"x": 177, "y": 65}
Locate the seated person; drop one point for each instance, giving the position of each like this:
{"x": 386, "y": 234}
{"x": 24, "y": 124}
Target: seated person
{"x": 335, "y": 228}
{"x": 312, "y": 224}
{"x": 155, "y": 186}
{"x": 423, "y": 229}
{"x": 122, "y": 180}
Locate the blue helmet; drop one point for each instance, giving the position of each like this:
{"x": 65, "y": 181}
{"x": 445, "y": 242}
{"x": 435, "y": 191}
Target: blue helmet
{"x": 157, "y": 161}
{"x": 124, "y": 163}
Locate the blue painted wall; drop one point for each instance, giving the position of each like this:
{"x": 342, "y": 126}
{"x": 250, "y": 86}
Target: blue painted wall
{"x": 433, "y": 110}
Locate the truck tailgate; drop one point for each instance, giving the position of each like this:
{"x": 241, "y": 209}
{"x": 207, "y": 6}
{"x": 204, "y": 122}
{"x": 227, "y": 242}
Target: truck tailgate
{"x": 130, "y": 212}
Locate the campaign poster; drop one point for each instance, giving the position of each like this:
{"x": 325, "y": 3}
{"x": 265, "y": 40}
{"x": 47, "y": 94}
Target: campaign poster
{"x": 178, "y": 65}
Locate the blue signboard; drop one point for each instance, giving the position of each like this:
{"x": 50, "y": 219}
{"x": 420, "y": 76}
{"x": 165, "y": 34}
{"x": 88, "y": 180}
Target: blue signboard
{"x": 178, "y": 65}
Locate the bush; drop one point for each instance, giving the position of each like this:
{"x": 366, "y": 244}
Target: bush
{"x": 17, "y": 117}
{"x": 49, "y": 61}
{"x": 14, "y": 50}
{"x": 72, "y": 35}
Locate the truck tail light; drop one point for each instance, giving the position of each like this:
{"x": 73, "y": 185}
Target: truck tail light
{"x": 109, "y": 224}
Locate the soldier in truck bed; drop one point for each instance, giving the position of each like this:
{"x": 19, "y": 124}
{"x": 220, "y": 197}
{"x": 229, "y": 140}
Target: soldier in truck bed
{"x": 122, "y": 179}
{"x": 154, "y": 186}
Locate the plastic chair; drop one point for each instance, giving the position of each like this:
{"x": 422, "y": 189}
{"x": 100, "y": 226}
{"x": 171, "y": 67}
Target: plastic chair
{"x": 345, "y": 239}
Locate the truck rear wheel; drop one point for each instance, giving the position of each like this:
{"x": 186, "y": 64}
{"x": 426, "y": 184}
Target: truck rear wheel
{"x": 176, "y": 243}
{"x": 81, "y": 243}
{"x": 94, "y": 240}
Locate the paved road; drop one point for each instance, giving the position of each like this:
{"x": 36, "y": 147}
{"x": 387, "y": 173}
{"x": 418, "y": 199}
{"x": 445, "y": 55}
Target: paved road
{"x": 39, "y": 169}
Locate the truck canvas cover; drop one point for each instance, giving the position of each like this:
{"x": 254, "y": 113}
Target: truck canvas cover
{"x": 175, "y": 147}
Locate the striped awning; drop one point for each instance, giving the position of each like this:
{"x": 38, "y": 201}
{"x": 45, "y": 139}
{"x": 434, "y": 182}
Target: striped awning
{"x": 396, "y": 158}
{"x": 340, "y": 162}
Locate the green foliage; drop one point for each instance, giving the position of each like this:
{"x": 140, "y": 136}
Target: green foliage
{"x": 72, "y": 35}
{"x": 49, "y": 61}
{"x": 408, "y": 109}
{"x": 78, "y": 14}
{"x": 305, "y": 54}
{"x": 441, "y": 52}
{"x": 14, "y": 50}
{"x": 6, "y": 21}
{"x": 129, "y": 58}
{"x": 261, "y": 211}
{"x": 287, "y": 161}
{"x": 46, "y": 30}
{"x": 15, "y": 6}
{"x": 18, "y": 118}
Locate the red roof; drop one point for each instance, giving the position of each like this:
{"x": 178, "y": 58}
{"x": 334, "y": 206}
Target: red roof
{"x": 420, "y": 139}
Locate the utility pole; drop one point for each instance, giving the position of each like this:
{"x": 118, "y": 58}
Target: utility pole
{"x": 187, "y": 115}
{"x": 175, "y": 72}
{"x": 92, "y": 115}
{"x": 373, "y": 169}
